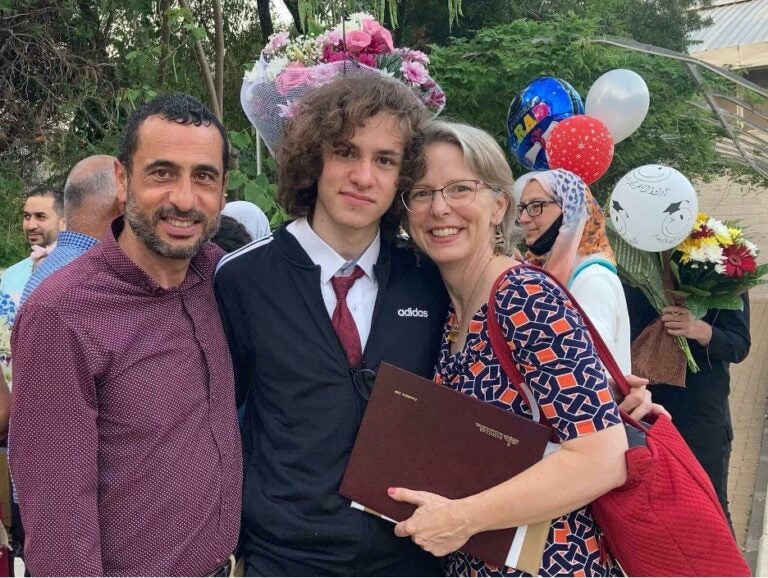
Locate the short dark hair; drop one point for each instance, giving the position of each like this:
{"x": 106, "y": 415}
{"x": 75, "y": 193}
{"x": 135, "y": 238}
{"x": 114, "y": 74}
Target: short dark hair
{"x": 48, "y": 191}
{"x": 175, "y": 107}
{"x": 330, "y": 114}
{"x": 231, "y": 234}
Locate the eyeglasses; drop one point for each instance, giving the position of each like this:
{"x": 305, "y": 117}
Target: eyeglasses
{"x": 534, "y": 208}
{"x": 456, "y": 194}
{"x": 363, "y": 379}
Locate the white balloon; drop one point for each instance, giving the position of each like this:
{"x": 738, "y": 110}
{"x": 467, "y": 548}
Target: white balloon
{"x": 653, "y": 207}
{"x": 620, "y": 99}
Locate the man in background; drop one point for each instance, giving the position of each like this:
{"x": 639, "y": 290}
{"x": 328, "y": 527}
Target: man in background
{"x": 43, "y": 219}
{"x": 90, "y": 205}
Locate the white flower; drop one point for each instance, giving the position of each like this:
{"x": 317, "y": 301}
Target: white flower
{"x": 254, "y": 74}
{"x": 275, "y": 67}
{"x": 720, "y": 268}
{"x": 707, "y": 253}
{"x": 751, "y": 247}
{"x": 720, "y": 229}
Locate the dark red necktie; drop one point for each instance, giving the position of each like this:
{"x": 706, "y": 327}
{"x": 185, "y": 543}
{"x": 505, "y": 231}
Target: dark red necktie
{"x": 342, "y": 320}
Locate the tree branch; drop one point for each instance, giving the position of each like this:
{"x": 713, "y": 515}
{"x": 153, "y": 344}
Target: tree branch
{"x": 205, "y": 70}
{"x": 219, "y": 26}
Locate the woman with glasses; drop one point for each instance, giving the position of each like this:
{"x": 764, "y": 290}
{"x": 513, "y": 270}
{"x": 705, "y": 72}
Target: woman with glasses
{"x": 461, "y": 214}
{"x": 564, "y": 231}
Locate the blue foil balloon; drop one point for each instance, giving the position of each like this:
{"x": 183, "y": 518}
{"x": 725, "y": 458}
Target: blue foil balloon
{"x": 531, "y": 115}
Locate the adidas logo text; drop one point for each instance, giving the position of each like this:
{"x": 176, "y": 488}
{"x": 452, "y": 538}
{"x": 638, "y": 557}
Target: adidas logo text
{"x": 412, "y": 312}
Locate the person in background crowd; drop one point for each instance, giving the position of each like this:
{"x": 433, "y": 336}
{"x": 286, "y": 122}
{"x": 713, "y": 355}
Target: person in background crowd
{"x": 124, "y": 442}
{"x": 461, "y": 214}
{"x": 231, "y": 235}
{"x": 564, "y": 231}
{"x": 250, "y": 216}
{"x": 90, "y": 205}
{"x": 310, "y": 312}
{"x": 43, "y": 219}
{"x": 700, "y": 410}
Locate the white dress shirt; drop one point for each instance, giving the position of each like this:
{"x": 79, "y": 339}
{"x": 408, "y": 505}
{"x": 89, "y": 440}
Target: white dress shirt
{"x": 362, "y": 296}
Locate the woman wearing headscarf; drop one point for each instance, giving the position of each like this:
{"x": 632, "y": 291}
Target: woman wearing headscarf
{"x": 249, "y": 216}
{"x": 564, "y": 231}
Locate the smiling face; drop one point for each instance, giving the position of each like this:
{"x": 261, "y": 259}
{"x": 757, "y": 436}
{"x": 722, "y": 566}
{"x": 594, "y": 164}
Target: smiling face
{"x": 534, "y": 227}
{"x": 175, "y": 190}
{"x": 454, "y": 234}
{"x": 359, "y": 181}
{"x": 41, "y": 223}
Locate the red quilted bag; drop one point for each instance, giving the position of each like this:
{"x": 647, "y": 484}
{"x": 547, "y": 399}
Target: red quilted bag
{"x": 666, "y": 519}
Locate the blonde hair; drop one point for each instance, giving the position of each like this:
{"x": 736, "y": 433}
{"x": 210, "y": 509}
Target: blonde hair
{"x": 487, "y": 160}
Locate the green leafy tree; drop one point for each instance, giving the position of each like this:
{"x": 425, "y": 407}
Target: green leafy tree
{"x": 483, "y": 74}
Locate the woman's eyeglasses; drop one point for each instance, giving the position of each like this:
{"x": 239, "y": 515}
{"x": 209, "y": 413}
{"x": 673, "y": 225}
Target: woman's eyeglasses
{"x": 534, "y": 208}
{"x": 456, "y": 194}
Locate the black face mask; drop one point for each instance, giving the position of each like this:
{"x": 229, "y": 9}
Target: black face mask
{"x": 543, "y": 244}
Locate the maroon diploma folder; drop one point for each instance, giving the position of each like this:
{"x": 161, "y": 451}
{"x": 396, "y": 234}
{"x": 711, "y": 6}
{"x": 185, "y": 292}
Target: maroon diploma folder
{"x": 424, "y": 436}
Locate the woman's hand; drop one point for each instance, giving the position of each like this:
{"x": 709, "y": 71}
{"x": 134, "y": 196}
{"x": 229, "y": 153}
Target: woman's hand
{"x": 437, "y": 525}
{"x": 637, "y": 402}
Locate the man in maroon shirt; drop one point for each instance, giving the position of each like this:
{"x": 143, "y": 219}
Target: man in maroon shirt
{"x": 124, "y": 442}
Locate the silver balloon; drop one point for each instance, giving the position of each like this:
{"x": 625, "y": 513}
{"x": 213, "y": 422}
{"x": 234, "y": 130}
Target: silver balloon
{"x": 620, "y": 99}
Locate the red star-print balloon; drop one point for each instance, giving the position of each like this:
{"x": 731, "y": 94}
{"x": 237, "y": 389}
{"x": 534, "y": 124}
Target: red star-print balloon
{"x": 581, "y": 144}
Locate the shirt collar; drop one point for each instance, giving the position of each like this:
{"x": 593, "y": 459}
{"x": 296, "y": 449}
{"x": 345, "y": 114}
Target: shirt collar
{"x": 326, "y": 257}
{"x": 75, "y": 239}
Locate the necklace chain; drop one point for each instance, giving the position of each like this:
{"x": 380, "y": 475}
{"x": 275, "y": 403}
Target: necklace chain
{"x": 453, "y": 332}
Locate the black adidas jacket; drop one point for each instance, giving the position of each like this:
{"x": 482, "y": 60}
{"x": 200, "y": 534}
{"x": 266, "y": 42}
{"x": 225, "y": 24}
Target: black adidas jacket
{"x": 303, "y": 411}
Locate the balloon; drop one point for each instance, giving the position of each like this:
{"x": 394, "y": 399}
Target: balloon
{"x": 620, "y": 99}
{"x": 653, "y": 207}
{"x": 534, "y": 112}
{"x": 582, "y": 145}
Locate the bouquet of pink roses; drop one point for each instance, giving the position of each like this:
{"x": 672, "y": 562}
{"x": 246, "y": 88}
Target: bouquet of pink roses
{"x": 289, "y": 66}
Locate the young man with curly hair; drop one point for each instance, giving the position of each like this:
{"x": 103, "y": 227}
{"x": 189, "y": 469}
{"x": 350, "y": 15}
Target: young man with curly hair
{"x": 306, "y": 345}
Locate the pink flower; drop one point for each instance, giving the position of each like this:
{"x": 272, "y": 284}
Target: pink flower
{"x": 412, "y": 55}
{"x": 357, "y": 41}
{"x": 331, "y": 38}
{"x": 435, "y": 99}
{"x": 293, "y": 77}
{"x": 414, "y": 72}
{"x": 367, "y": 59}
{"x": 329, "y": 55}
{"x": 277, "y": 41}
{"x": 381, "y": 38}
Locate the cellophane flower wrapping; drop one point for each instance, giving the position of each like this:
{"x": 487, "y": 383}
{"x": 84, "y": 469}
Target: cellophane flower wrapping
{"x": 360, "y": 46}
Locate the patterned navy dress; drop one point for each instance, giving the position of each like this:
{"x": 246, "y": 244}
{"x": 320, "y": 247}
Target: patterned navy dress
{"x": 552, "y": 350}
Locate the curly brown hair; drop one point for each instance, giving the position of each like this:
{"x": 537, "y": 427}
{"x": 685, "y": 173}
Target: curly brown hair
{"x": 329, "y": 115}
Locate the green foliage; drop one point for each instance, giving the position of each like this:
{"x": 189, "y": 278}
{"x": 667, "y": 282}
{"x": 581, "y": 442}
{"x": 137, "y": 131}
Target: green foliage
{"x": 482, "y": 75}
{"x": 245, "y": 182}
{"x": 13, "y": 246}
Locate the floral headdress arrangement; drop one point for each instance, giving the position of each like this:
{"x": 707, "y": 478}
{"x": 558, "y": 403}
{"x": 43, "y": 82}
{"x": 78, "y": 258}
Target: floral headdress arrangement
{"x": 358, "y": 46}
{"x": 715, "y": 265}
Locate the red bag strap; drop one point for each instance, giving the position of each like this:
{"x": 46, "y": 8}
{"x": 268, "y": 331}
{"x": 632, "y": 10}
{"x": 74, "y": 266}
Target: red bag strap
{"x": 501, "y": 349}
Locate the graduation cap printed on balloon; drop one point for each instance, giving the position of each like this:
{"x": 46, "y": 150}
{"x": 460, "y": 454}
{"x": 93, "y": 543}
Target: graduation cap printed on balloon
{"x": 534, "y": 113}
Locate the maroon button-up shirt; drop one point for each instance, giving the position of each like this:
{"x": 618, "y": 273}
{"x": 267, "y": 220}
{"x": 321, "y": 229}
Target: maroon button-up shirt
{"x": 124, "y": 442}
